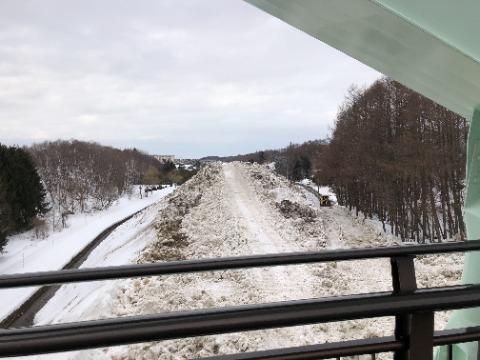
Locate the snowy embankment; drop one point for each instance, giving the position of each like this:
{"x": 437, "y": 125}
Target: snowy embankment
{"x": 25, "y": 253}
{"x": 229, "y": 210}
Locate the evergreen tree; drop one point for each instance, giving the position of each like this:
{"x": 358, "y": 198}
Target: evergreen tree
{"x": 302, "y": 168}
{"x": 261, "y": 157}
{"x": 168, "y": 166}
{"x": 22, "y": 195}
{"x": 5, "y": 219}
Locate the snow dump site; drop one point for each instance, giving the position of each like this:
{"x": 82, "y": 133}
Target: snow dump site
{"x": 240, "y": 209}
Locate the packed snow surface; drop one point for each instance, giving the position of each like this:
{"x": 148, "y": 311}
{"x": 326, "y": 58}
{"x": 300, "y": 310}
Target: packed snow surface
{"x": 230, "y": 210}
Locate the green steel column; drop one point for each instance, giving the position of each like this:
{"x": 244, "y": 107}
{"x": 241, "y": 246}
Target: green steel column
{"x": 471, "y": 270}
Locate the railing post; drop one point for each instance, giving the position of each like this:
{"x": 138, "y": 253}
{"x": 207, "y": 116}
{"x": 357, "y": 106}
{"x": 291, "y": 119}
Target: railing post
{"x": 416, "y": 330}
{"x": 421, "y": 336}
{"x": 404, "y": 281}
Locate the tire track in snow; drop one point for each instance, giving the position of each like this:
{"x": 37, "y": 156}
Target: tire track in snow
{"x": 259, "y": 222}
{"x": 250, "y": 212}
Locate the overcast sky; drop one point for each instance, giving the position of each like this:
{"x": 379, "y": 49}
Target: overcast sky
{"x": 185, "y": 77}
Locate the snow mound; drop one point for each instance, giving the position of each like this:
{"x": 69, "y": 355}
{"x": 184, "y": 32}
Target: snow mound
{"x": 234, "y": 209}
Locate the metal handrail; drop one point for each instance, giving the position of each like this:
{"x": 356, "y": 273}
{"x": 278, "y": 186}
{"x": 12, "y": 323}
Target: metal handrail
{"x": 228, "y": 263}
{"x": 134, "y": 329}
{"x": 405, "y": 302}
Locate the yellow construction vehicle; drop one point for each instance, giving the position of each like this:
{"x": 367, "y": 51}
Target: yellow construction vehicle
{"x": 325, "y": 200}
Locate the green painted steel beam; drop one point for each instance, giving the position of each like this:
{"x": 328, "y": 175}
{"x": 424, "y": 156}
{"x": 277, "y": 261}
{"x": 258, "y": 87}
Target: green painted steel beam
{"x": 471, "y": 268}
{"x": 410, "y": 51}
{"x": 430, "y": 46}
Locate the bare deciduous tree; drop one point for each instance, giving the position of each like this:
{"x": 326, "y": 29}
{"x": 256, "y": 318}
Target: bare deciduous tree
{"x": 40, "y": 227}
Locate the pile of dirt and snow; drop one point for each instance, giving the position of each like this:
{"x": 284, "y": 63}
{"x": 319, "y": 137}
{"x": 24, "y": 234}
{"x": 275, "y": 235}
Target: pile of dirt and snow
{"x": 238, "y": 209}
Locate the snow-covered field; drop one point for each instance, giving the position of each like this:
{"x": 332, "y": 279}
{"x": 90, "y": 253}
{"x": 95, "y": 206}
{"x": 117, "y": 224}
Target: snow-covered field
{"x": 229, "y": 210}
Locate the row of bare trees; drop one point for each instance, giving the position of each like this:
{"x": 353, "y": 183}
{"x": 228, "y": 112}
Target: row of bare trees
{"x": 81, "y": 176}
{"x": 400, "y": 157}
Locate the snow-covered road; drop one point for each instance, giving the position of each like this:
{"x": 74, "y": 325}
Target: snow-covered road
{"x": 229, "y": 210}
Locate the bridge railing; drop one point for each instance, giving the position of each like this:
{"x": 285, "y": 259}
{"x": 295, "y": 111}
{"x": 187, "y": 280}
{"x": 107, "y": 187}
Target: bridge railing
{"x": 414, "y": 336}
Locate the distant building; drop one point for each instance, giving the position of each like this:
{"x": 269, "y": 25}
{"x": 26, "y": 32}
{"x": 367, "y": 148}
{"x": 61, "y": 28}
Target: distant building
{"x": 165, "y": 158}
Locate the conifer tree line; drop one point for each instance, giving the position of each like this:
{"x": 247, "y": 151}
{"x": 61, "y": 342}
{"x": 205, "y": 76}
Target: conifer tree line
{"x": 22, "y": 195}
{"x": 400, "y": 157}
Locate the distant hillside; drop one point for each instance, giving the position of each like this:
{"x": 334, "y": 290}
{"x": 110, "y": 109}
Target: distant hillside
{"x": 213, "y": 158}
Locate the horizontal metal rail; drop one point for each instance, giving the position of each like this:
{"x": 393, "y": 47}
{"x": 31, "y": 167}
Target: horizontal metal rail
{"x": 126, "y": 330}
{"x": 455, "y": 336}
{"x": 241, "y": 262}
{"x": 321, "y": 351}
{"x": 351, "y": 347}
{"x": 405, "y": 303}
